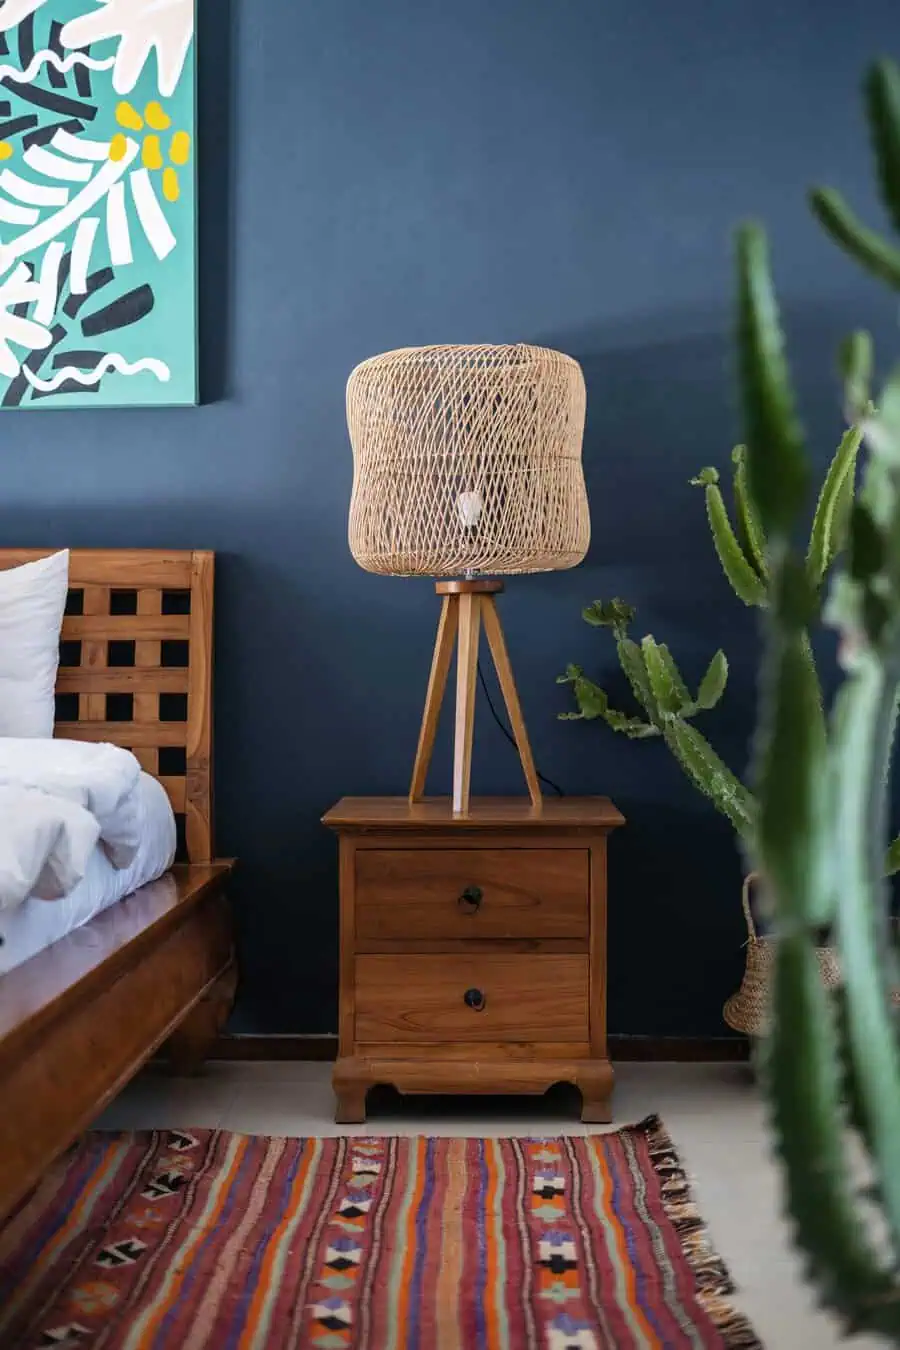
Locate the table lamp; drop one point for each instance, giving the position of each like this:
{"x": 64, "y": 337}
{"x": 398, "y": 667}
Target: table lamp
{"x": 466, "y": 468}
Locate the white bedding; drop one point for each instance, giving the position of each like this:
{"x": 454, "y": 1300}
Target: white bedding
{"x": 35, "y": 924}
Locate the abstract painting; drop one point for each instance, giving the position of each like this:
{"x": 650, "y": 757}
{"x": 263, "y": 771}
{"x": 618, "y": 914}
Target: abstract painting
{"x": 97, "y": 203}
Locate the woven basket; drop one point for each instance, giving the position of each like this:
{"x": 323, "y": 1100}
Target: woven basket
{"x": 748, "y": 1010}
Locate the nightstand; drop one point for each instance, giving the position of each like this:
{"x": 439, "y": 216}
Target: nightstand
{"x": 473, "y": 948}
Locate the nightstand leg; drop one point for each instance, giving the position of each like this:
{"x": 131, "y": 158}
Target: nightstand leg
{"x": 350, "y": 1088}
{"x": 595, "y": 1082}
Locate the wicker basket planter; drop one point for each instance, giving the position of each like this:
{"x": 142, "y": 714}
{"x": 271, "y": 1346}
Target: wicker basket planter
{"x": 748, "y": 1010}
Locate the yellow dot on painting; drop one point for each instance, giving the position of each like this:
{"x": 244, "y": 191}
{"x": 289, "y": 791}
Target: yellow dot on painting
{"x": 151, "y": 153}
{"x": 129, "y": 117}
{"x": 180, "y": 148}
{"x": 171, "y": 190}
{"x": 156, "y": 118}
{"x": 6, "y": 150}
{"x": 118, "y": 147}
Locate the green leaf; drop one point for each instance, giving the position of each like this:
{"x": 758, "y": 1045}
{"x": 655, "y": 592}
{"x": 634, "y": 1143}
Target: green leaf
{"x": 591, "y": 699}
{"x": 705, "y": 478}
{"x": 749, "y": 531}
{"x": 712, "y": 686}
{"x": 866, "y": 247}
{"x": 832, "y": 503}
{"x": 608, "y": 614}
{"x": 744, "y": 579}
{"x": 776, "y": 463}
{"x": 883, "y": 114}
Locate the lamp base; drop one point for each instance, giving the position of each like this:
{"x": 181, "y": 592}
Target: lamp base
{"x": 465, "y": 606}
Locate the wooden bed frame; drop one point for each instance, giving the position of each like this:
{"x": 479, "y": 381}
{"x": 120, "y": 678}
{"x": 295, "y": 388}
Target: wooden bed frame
{"x": 78, "y": 1020}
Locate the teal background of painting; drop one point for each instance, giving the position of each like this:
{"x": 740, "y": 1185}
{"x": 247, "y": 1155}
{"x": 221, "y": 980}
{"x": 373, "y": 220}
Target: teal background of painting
{"x": 168, "y": 332}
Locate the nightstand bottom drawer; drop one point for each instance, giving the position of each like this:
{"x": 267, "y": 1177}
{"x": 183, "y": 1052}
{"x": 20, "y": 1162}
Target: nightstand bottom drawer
{"x": 482, "y": 997}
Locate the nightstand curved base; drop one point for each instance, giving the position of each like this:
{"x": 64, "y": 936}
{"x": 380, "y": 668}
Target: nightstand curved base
{"x": 355, "y": 1075}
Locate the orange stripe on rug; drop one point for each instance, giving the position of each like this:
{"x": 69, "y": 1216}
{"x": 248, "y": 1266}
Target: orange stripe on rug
{"x": 147, "y": 1324}
{"x": 216, "y": 1289}
{"x": 78, "y": 1215}
{"x": 450, "y": 1260}
{"x": 259, "y": 1314}
{"x": 645, "y": 1334}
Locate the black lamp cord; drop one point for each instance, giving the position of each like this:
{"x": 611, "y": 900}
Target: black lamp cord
{"x": 548, "y": 782}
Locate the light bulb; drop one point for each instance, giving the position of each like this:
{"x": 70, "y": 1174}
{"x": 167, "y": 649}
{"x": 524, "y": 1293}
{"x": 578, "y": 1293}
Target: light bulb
{"x": 468, "y": 506}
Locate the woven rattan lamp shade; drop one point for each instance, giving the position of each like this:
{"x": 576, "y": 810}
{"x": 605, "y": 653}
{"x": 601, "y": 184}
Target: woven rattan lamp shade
{"x": 467, "y": 459}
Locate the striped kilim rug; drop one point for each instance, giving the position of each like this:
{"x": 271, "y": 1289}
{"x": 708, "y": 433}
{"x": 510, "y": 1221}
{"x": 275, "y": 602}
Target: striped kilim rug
{"x": 206, "y": 1240}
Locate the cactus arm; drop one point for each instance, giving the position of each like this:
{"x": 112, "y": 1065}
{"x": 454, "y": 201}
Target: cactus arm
{"x": 892, "y": 858}
{"x": 669, "y": 689}
{"x": 710, "y": 774}
{"x": 882, "y": 93}
{"x": 806, "y": 1088}
{"x": 855, "y": 360}
{"x": 744, "y": 579}
{"x": 593, "y": 703}
{"x": 631, "y": 659}
{"x": 804, "y": 1054}
{"x": 749, "y": 531}
{"x": 712, "y": 686}
{"x": 848, "y": 232}
{"x": 831, "y": 507}
{"x": 776, "y": 464}
{"x": 866, "y": 702}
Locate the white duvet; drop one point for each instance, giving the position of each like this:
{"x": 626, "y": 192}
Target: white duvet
{"x": 58, "y": 800}
{"x": 34, "y": 925}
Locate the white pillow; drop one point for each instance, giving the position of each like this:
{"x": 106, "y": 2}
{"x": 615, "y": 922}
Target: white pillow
{"x": 32, "y": 601}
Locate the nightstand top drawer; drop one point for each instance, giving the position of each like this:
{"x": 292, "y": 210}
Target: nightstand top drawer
{"x": 482, "y": 997}
{"x": 416, "y": 894}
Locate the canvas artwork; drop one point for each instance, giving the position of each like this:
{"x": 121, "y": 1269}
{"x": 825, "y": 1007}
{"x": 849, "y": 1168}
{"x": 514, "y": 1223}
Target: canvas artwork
{"x": 97, "y": 203}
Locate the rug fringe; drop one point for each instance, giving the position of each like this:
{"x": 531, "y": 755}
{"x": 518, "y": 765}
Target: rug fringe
{"x": 714, "y": 1283}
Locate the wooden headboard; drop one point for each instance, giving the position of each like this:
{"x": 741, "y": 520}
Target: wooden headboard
{"x": 136, "y": 668}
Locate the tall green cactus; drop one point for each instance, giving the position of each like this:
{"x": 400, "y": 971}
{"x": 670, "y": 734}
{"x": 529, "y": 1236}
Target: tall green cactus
{"x": 833, "y": 1058}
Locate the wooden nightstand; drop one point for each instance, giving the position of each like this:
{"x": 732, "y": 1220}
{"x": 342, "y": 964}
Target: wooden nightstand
{"x": 473, "y": 949}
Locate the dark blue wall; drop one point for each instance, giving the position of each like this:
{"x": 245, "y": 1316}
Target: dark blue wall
{"x": 564, "y": 172}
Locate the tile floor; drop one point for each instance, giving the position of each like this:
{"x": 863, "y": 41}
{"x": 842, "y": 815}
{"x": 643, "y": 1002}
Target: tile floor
{"x": 712, "y": 1111}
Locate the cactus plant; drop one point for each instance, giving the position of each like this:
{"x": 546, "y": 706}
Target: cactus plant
{"x": 649, "y": 666}
{"x": 833, "y": 1059}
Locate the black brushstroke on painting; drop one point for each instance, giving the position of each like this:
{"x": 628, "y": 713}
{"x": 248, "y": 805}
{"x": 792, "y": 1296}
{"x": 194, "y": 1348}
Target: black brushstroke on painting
{"x": 25, "y": 37}
{"x": 120, "y": 313}
{"x": 84, "y": 360}
{"x": 94, "y": 282}
{"x": 45, "y": 134}
{"x": 56, "y": 77}
{"x": 17, "y": 124}
{"x": 83, "y": 76}
{"x": 46, "y": 98}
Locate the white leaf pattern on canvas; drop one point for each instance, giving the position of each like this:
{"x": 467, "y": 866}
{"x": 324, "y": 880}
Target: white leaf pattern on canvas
{"x": 140, "y": 25}
{"x": 14, "y": 11}
{"x": 19, "y": 288}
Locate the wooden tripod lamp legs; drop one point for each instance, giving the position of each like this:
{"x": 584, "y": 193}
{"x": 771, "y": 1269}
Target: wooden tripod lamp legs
{"x": 465, "y": 606}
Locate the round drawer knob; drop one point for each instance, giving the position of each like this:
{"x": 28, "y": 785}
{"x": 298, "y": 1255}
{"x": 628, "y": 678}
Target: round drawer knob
{"x": 470, "y": 900}
{"x": 475, "y": 999}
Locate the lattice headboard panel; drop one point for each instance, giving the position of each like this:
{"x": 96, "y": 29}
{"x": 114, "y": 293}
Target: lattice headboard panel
{"x": 136, "y": 668}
